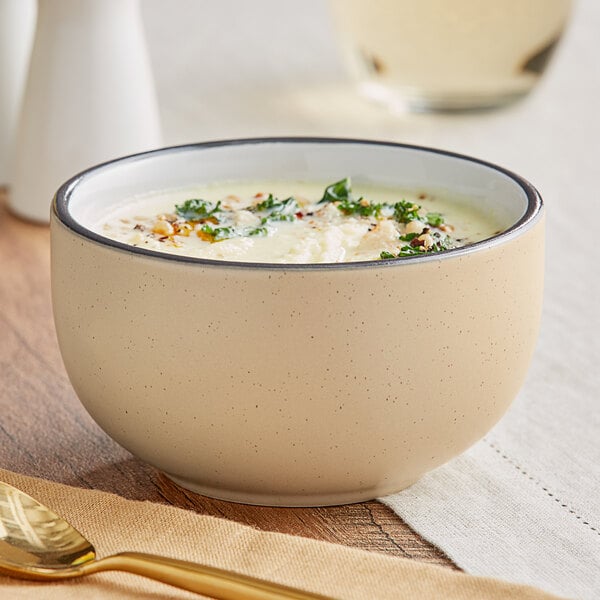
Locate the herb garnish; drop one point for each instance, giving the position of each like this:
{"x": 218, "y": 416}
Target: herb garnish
{"x": 405, "y": 212}
{"x": 434, "y": 219}
{"x": 419, "y": 246}
{"x": 338, "y": 191}
{"x": 258, "y": 231}
{"x": 217, "y": 233}
{"x": 214, "y": 223}
{"x": 409, "y": 237}
{"x": 276, "y": 210}
{"x": 360, "y": 207}
{"x": 197, "y": 210}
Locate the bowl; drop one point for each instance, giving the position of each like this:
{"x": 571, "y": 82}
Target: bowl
{"x": 289, "y": 384}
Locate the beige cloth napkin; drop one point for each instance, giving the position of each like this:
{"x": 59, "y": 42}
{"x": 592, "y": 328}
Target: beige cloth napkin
{"x": 114, "y": 524}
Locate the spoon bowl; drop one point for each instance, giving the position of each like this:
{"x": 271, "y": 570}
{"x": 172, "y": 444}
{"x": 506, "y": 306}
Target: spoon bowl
{"x": 33, "y": 537}
{"x": 36, "y": 543}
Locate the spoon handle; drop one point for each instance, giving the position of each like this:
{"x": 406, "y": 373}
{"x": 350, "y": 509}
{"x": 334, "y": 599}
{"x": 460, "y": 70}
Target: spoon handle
{"x": 210, "y": 581}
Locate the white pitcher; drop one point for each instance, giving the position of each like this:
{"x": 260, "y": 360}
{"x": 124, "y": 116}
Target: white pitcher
{"x": 89, "y": 97}
{"x": 17, "y": 24}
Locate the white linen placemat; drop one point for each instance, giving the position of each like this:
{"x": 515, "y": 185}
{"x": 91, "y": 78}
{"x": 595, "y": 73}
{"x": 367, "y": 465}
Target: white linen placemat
{"x": 524, "y": 504}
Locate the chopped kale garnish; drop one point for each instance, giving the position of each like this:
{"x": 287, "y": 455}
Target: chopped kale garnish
{"x": 409, "y": 237}
{"x": 411, "y": 250}
{"x": 275, "y": 216}
{"x": 218, "y": 233}
{"x": 197, "y": 209}
{"x": 338, "y": 191}
{"x": 434, "y": 219}
{"x": 404, "y": 251}
{"x": 341, "y": 193}
{"x": 405, "y": 211}
{"x": 258, "y": 231}
{"x": 267, "y": 204}
{"x": 276, "y": 210}
{"x": 360, "y": 207}
{"x": 418, "y": 246}
{"x": 441, "y": 243}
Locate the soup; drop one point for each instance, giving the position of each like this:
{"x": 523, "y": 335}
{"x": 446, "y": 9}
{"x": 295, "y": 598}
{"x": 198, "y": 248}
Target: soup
{"x": 298, "y": 222}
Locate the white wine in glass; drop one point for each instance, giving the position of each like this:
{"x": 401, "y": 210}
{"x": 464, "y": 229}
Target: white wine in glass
{"x": 449, "y": 54}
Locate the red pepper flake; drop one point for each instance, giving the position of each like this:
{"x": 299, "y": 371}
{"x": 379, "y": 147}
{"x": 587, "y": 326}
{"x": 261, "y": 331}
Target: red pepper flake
{"x": 299, "y": 215}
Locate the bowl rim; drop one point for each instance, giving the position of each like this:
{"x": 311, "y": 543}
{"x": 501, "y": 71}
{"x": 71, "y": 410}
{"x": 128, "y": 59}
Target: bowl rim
{"x": 60, "y": 206}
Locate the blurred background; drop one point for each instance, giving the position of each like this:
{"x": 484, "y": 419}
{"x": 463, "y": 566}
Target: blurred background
{"x": 263, "y": 68}
{"x": 235, "y": 68}
{"x": 271, "y": 67}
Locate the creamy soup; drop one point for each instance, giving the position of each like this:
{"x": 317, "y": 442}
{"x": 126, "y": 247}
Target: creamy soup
{"x": 298, "y": 222}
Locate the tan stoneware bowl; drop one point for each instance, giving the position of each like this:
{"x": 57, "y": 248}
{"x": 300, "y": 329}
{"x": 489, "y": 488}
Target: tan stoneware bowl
{"x": 296, "y": 385}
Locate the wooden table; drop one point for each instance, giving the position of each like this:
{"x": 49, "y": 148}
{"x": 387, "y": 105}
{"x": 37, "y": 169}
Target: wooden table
{"x": 45, "y": 432}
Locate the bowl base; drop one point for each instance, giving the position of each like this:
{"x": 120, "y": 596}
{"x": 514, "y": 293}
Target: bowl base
{"x": 289, "y": 500}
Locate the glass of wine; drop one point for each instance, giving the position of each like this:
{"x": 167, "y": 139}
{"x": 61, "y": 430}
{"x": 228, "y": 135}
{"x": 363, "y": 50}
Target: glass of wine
{"x": 436, "y": 55}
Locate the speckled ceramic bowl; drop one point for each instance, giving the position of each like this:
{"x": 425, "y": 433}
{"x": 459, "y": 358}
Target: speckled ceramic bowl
{"x": 296, "y": 384}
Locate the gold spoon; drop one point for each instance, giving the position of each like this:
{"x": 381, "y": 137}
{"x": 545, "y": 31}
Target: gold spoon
{"x": 35, "y": 543}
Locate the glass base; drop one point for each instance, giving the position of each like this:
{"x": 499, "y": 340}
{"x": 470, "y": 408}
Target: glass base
{"x": 402, "y": 100}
